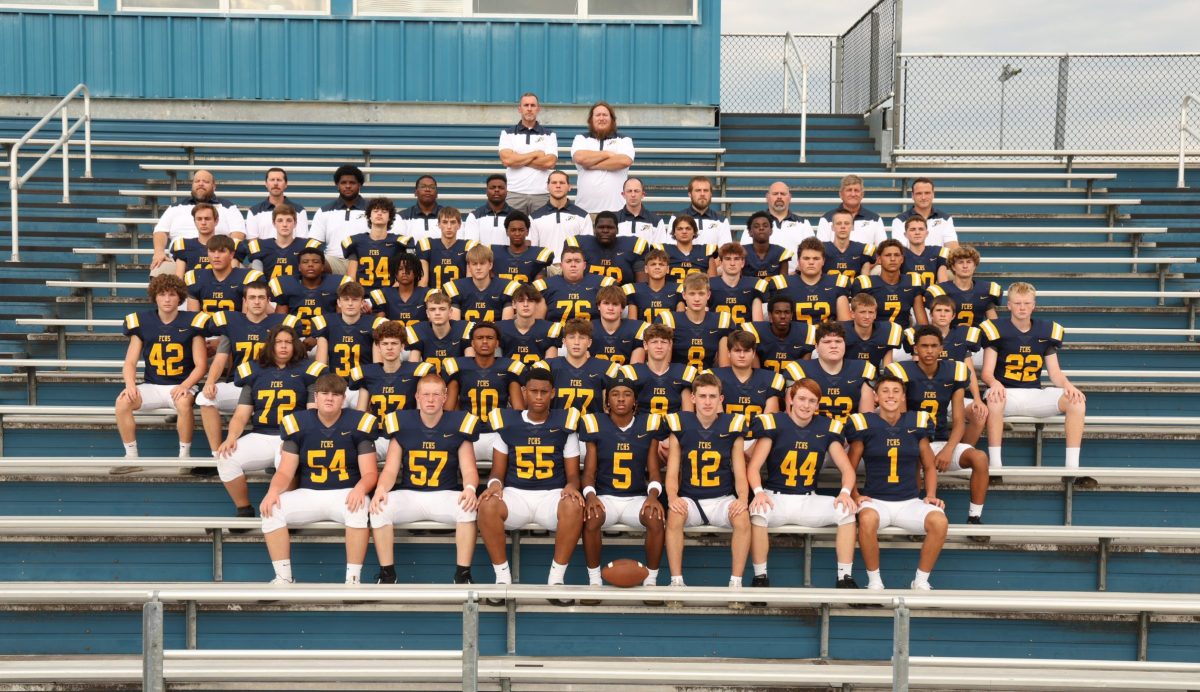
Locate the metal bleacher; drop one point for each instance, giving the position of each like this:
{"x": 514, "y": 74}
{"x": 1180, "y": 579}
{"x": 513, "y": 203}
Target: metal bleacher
{"x": 1079, "y": 587}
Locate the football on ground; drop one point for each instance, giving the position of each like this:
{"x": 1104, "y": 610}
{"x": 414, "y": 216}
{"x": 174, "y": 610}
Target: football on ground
{"x": 625, "y": 573}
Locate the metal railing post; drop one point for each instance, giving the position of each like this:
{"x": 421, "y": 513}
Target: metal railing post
{"x": 787, "y": 72}
{"x": 87, "y": 134}
{"x": 66, "y": 161}
{"x": 839, "y": 51}
{"x": 900, "y": 633}
{"x": 873, "y": 81}
{"x": 152, "y": 645}
{"x": 1060, "y": 106}
{"x": 1184, "y": 131}
{"x": 470, "y": 644}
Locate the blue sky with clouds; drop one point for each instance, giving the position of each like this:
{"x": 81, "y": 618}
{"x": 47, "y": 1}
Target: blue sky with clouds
{"x": 986, "y": 25}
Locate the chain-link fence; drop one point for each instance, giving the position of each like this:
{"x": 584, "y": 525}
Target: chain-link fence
{"x": 868, "y": 56}
{"x": 752, "y": 73}
{"x": 1121, "y": 102}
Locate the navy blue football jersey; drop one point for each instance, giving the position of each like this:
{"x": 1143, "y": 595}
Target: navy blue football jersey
{"x": 580, "y": 388}
{"x": 217, "y": 294}
{"x": 885, "y": 336}
{"x": 329, "y": 455}
{"x": 304, "y": 302}
{"x": 774, "y": 351}
{"x": 650, "y": 303}
{"x": 429, "y": 455}
{"x": 959, "y": 344}
{"x": 849, "y": 263}
{"x": 481, "y": 389}
{"x": 565, "y": 300}
{"x": 279, "y": 261}
{"x": 926, "y": 263}
{"x": 446, "y": 264}
{"x": 531, "y": 346}
{"x": 774, "y": 263}
{"x": 192, "y": 252}
{"x": 246, "y": 338}
{"x": 894, "y": 302}
{"x": 971, "y": 304}
{"x": 407, "y": 311}
{"x": 166, "y": 348}
{"x": 376, "y": 258}
{"x": 618, "y": 261}
{"x": 480, "y": 304}
{"x": 683, "y": 263}
{"x": 749, "y": 397}
{"x": 536, "y": 459}
{"x": 695, "y": 344}
{"x": 839, "y": 392}
{"x": 433, "y": 348}
{"x": 891, "y": 453}
{"x": 618, "y": 346}
{"x": 623, "y": 455}
{"x": 796, "y": 453}
{"x": 706, "y": 453}
{"x": 1021, "y": 356}
{"x": 737, "y": 300}
{"x": 661, "y": 394}
{"x": 349, "y": 344}
{"x": 814, "y": 304}
{"x": 275, "y": 392}
{"x": 522, "y": 267}
{"x": 935, "y": 394}
{"x": 389, "y": 391}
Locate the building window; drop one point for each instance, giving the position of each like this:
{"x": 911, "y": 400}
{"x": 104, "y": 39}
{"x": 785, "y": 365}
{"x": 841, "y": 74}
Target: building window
{"x": 231, "y": 6}
{"x": 576, "y": 9}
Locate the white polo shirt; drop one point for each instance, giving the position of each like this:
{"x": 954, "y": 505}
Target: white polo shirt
{"x": 599, "y": 190}
{"x": 335, "y": 222}
{"x": 260, "y": 225}
{"x": 486, "y": 225}
{"x": 177, "y": 221}
{"x": 550, "y": 227}
{"x": 868, "y": 228}
{"x": 939, "y": 223}
{"x": 714, "y": 228}
{"x": 646, "y": 225}
{"x": 527, "y": 180}
{"x": 416, "y": 224}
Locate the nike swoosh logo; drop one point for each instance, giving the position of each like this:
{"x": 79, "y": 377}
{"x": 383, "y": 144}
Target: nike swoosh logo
{"x": 345, "y": 433}
{"x": 448, "y": 435}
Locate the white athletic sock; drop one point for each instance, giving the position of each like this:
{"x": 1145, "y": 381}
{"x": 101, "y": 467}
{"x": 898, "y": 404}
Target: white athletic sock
{"x": 735, "y": 582}
{"x": 921, "y": 578}
{"x": 994, "y": 457}
{"x": 353, "y": 571}
{"x": 503, "y": 575}
{"x": 283, "y": 568}
{"x": 677, "y": 580}
{"x": 558, "y": 573}
{"x": 131, "y": 450}
{"x": 974, "y": 510}
{"x": 651, "y": 579}
{"x": 760, "y": 569}
{"x": 874, "y": 578}
{"x": 1072, "y": 457}
{"x": 594, "y": 576}
{"x": 844, "y": 569}
{"x": 185, "y": 450}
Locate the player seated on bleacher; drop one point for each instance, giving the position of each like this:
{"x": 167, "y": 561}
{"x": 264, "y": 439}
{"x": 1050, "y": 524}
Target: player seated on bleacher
{"x": 899, "y": 296}
{"x": 192, "y": 253}
{"x": 171, "y": 342}
{"x": 404, "y": 301}
{"x": 961, "y": 343}
{"x": 345, "y": 339}
{"x": 937, "y": 385}
{"x": 221, "y": 286}
{"x": 780, "y": 339}
{"x": 870, "y": 339}
{"x": 659, "y": 293}
{"x": 429, "y": 448}
{"x": 746, "y": 389}
{"x": 706, "y": 477}
{"x": 444, "y": 258}
{"x": 699, "y": 334}
{"x": 371, "y": 256}
{"x": 273, "y": 385}
{"x": 818, "y": 296}
{"x": 280, "y": 255}
{"x": 732, "y": 291}
{"x": 845, "y": 383}
{"x": 439, "y": 337}
{"x": 622, "y": 476}
{"x": 662, "y": 386}
{"x": 792, "y": 446}
{"x": 893, "y": 446}
{"x": 844, "y": 256}
{"x": 573, "y": 292}
{"x": 616, "y": 338}
{"x": 686, "y": 256}
{"x": 390, "y": 384}
{"x": 1016, "y": 350}
{"x": 534, "y": 477}
{"x": 607, "y": 254}
{"x": 929, "y": 261}
{"x": 764, "y": 259}
{"x": 332, "y": 450}
{"x": 525, "y": 337}
{"x": 311, "y": 293}
{"x": 520, "y": 260}
{"x": 480, "y": 297}
{"x": 483, "y": 382}
{"x": 975, "y": 300}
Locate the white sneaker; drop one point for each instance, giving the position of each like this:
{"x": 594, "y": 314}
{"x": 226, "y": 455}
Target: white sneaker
{"x": 353, "y": 581}
{"x": 675, "y": 604}
{"x": 923, "y": 586}
{"x": 280, "y": 580}
{"x": 875, "y": 586}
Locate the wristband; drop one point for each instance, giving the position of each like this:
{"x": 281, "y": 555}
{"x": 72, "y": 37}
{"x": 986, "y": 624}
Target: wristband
{"x": 492, "y": 480}
{"x": 654, "y": 485}
{"x": 759, "y": 490}
{"x": 469, "y": 487}
{"x": 845, "y": 491}
{"x": 589, "y": 489}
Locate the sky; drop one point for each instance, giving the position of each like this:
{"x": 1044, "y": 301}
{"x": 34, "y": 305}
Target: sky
{"x": 990, "y": 26}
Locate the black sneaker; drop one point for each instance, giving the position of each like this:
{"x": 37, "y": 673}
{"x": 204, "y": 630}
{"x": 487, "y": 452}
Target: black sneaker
{"x": 1086, "y": 482}
{"x": 760, "y": 580}
{"x": 463, "y": 577}
{"x": 203, "y": 471}
{"x": 246, "y": 512}
{"x": 386, "y": 576}
{"x": 978, "y": 521}
{"x": 847, "y": 582}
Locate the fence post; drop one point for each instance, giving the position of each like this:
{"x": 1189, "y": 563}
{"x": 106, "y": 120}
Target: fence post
{"x": 873, "y": 88}
{"x": 787, "y": 82}
{"x": 152, "y": 645}
{"x": 470, "y": 644}
{"x": 839, "y": 47}
{"x": 900, "y": 631}
{"x": 1060, "y": 108}
{"x": 897, "y": 82}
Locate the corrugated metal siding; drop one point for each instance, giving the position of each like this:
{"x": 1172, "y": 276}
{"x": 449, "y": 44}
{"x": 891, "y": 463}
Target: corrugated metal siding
{"x": 329, "y": 58}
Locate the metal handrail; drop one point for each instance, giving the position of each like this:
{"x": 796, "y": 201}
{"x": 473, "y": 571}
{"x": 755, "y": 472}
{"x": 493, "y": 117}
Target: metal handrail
{"x": 16, "y": 182}
{"x": 1184, "y": 130}
{"x": 789, "y": 78}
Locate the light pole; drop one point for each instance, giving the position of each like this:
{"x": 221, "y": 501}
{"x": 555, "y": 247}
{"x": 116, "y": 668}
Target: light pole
{"x": 1006, "y": 73}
